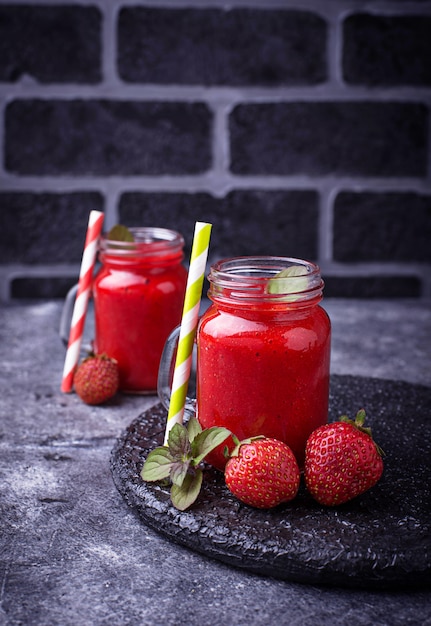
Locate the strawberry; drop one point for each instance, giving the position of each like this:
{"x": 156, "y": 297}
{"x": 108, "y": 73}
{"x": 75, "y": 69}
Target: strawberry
{"x": 341, "y": 461}
{"x": 262, "y": 472}
{"x": 96, "y": 379}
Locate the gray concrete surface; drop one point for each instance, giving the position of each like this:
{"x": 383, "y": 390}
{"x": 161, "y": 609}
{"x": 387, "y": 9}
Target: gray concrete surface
{"x": 72, "y": 553}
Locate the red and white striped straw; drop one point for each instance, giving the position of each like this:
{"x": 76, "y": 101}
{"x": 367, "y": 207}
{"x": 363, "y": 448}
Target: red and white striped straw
{"x": 95, "y": 223}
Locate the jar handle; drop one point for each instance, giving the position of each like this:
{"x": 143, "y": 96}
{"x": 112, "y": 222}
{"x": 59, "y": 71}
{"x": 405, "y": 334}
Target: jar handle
{"x": 166, "y": 372}
{"x": 66, "y": 318}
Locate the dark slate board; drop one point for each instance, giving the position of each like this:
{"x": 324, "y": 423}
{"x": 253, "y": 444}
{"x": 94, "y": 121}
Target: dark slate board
{"x": 379, "y": 540}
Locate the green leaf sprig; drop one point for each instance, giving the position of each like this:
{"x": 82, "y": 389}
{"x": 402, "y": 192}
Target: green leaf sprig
{"x": 281, "y": 283}
{"x": 120, "y": 238}
{"x": 120, "y": 233}
{"x": 179, "y": 460}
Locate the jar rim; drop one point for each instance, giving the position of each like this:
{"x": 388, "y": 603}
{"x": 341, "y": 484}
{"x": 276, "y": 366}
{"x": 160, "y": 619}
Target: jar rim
{"x": 257, "y": 279}
{"x": 148, "y": 241}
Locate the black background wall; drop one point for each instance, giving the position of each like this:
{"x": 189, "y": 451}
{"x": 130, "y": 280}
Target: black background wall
{"x": 296, "y": 128}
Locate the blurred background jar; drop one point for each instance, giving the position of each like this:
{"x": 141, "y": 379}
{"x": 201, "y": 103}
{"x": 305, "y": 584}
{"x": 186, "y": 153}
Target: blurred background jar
{"x": 138, "y": 298}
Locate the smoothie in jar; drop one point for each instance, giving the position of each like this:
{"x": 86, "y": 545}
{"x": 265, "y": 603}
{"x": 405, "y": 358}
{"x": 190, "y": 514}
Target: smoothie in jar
{"x": 138, "y": 298}
{"x": 264, "y": 352}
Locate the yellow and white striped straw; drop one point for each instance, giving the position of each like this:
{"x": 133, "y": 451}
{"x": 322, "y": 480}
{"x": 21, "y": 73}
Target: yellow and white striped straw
{"x": 183, "y": 362}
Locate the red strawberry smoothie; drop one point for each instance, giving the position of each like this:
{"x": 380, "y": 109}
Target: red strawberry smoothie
{"x": 138, "y": 297}
{"x": 263, "y": 367}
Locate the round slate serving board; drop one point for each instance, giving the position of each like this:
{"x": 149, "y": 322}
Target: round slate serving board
{"x": 381, "y": 539}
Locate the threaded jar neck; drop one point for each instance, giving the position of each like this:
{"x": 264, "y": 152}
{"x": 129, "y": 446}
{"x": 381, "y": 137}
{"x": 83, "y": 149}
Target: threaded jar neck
{"x": 265, "y": 280}
{"x": 151, "y": 245}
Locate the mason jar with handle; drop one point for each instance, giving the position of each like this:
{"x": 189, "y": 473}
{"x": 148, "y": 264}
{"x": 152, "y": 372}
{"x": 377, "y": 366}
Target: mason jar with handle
{"x": 263, "y": 352}
{"x": 138, "y": 295}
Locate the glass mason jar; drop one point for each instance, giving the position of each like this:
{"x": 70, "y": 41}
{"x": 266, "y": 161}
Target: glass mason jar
{"x": 263, "y": 352}
{"x": 138, "y": 300}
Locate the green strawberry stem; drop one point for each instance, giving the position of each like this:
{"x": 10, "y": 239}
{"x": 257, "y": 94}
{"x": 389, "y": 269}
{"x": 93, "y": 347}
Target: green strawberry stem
{"x": 358, "y": 423}
{"x": 179, "y": 460}
{"x": 238, "y": 444}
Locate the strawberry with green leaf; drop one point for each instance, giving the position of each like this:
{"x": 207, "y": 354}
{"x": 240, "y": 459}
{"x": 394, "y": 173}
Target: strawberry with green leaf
{"x": 342, "y": 461}
{"x": 179, "y": 461}
{"x": 262, "y": 472}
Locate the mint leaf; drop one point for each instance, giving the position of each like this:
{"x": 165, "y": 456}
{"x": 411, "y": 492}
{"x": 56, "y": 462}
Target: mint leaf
{"x": 206, "y": 441}
{"x": 179, "y": 471}
{"x": 120, "y": 233}
{"x": 157, "y": 465}
{"x": 193, "y": 428}
{"x": 178, "y": 442}
{"x": 184, "y": 496}
{"x": 281, "y": 283}
{"x": 178, "y": 461}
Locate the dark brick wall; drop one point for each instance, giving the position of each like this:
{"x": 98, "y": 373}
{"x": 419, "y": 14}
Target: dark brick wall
{"x": 39, "y": 228}
{"x": 237, "y": 47}
{"x": 387, "y": 50}
{"x": 267, "y": 222}
{"x": 298, "y": 130}
{"x": 381, "y": 226}
{"x": 50, "y": 44}
{"x": 338, "y": 138}
{"x": 106, "y": 137}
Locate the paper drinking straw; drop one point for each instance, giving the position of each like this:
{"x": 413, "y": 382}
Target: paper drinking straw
{"x": 88, "y": 262}
{"x": 189, "y": 323}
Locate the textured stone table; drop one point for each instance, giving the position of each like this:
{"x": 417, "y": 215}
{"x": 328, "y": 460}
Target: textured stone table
{"x": 72, "y": 552}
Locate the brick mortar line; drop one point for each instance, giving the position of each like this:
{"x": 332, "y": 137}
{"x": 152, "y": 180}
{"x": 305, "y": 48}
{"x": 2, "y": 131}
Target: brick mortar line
{"x": 309, "y": 4}
{"x": 212, "y": 182}
{"x": 2, "y": 137}
{"x": 28, "y": 89}
{"x": 334, "y": 51}
{"x": 109, "y": 45}
{"x": 220, "y": 139}
{"x": 340, "y": 7}
{"x": 325, "y": 224}
{"x": 111, "y": 203}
